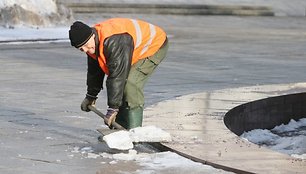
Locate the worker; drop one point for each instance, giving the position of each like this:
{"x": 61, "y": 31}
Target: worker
{"x": 127, "y": 51}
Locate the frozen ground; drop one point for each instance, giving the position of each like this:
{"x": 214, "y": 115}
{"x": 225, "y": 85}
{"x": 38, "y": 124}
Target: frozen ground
{"x": 290, "y": 140}
{"x": 164, "y": 162}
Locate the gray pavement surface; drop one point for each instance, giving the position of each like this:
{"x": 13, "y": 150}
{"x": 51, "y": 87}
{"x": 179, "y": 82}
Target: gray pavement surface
{"x": 279, "y": 7}
{"x": 42, "y": 85}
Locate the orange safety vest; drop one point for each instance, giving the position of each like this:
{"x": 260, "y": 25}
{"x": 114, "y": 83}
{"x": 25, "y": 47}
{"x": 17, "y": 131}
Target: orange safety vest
{"x": 147, "y": 38}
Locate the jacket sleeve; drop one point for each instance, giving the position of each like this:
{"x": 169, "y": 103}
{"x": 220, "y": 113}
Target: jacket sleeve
{"x": 95, "y": 77}
{"x": 118, "y": 51}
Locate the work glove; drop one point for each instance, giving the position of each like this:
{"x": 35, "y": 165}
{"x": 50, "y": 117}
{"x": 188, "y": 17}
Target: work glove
{"x": 111, "y": 116}
{"x": 86, "y": 102}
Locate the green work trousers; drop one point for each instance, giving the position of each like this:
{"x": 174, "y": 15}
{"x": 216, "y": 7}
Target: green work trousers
{"x": 131, "y": 112}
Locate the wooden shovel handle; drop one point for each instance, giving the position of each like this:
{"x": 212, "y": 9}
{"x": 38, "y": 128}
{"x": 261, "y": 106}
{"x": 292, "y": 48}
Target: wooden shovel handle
{"x": 95, "y": 110}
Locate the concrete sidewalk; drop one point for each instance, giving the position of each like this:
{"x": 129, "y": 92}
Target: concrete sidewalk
{"x": 196, "y": 123}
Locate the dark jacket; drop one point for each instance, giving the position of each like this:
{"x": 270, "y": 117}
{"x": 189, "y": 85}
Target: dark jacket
{"x": 118, "y": 51}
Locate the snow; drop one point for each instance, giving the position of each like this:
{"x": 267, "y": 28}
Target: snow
{"x": 32, "y": 34}
{"x": 291, "y": 126}
{"x": 167, "y": 161}
{"x": 34, "y": 13}
{"x": 119, "y": 140}
{"x": 170, "y": 160}
{"x": 20, "y": 33}
{"x": 44, "y": 7}
{"x": 286, "y": 138}
{"x": 155, "y": 162}
{"x": 123, "y": 140}
{"x": 149, "y": 134}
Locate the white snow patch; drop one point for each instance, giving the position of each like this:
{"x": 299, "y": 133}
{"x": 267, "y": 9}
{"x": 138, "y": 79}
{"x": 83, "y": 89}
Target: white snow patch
{"x": 303, "y": 156}
{"x": 168, "y": 160}
{"x": 291, "y": 126}
{"x": 75, "y": 150}
{"x": 123, "y": 140}
{"x": 132, "y": 155}
{"x": 23, "y": 132}
{"x": 106, "y": 155}
{"x": 113, "y": 162}
{"x": 86, "y": 150}
{"x": 289, "y": 139}
{"x": 34, "y": 34}
{"x": 152, "y": 163}
{"x": 44, "y": 7}
{"x": 165, "y": 161}
{"x": 259, "y": 136}
{"x": 77, "y": 116}
{"x": 149, "y": 134}
{"x": 119, "y": 140}
{"x": 33, "y": 13}
{"x": 93, "y": 155}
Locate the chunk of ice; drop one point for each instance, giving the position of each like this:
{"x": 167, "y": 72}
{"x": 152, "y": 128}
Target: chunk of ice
{"x": 149, "y": 134}
{"x": 119, "y": 140}
{"x": 123, "y": 140}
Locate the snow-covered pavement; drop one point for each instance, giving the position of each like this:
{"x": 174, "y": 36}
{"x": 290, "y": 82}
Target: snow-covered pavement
{"x": 22, "y": 35}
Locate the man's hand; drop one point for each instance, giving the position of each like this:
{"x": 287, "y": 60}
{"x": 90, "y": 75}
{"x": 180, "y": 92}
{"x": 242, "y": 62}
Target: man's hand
{"x": 86, "y": 102}
{"x": 111, "y": 115}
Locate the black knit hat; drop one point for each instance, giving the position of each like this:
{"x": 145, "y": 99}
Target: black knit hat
{"x": 79, "y": 34}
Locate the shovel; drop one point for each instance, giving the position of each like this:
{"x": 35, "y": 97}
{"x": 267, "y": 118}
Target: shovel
{"x": 121, "y": 138}
{"x": 114, "y": 124}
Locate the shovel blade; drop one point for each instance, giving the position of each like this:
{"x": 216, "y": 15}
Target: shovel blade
{"x": 107, "y": 131}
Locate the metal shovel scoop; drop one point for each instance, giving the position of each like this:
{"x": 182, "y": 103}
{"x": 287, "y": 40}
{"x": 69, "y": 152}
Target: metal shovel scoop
{"x": 106, "y": 131}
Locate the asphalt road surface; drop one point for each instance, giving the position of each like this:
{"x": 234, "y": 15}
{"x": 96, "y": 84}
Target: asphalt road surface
{"x": 43, "y": 84}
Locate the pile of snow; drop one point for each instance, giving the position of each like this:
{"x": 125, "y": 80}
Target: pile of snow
{"x": 123, "y": 140}
{"x": 289, "y": 139}
{"x": 33, "y": 13}
{"x": 40, "y": 7}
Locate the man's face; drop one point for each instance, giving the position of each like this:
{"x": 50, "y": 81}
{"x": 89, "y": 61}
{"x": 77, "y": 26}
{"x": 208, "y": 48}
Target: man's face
{"x": 89, "y": 46}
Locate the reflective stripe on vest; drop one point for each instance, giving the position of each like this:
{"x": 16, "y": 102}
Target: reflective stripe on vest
{"x": 139, "y": 36}
{"x": 138, "y": 33}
